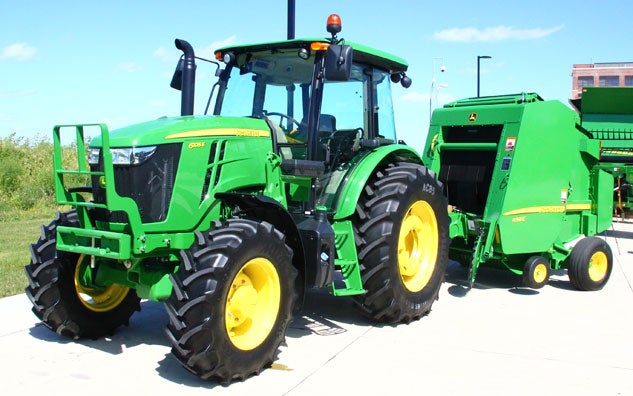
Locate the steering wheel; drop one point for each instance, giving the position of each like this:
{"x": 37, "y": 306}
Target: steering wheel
{"x": 290, "y": 119}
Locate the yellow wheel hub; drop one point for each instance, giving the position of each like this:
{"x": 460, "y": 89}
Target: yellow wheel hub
{"x": 418, "y": 242}
{"x": 252, "y": 304}
{"x": 598, "y": 265}
{"x": 98, "y": 300}
{"x": 540, "y": 273}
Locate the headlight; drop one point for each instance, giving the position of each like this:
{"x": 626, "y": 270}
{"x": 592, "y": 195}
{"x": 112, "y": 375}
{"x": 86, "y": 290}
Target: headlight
{"x": 131, "y": 155}
{"x": 93, "y": 156}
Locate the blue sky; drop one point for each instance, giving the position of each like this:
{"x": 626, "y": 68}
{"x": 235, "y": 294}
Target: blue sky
{"x": 97, "y": 61}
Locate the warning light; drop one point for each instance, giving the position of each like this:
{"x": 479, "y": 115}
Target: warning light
{"x": 333, "y": 24}
{"x": 318, "y": 46}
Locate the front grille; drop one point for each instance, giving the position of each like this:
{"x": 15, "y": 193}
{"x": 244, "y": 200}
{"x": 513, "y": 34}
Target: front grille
{"x": 149, "y": 184}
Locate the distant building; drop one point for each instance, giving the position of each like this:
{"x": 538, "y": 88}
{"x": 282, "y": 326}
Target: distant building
{"x": 610, "y": 74}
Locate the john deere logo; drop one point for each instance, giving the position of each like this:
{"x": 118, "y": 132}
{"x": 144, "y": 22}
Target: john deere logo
{"x": 472, "y": 117}
{"x": 102, "y": 182}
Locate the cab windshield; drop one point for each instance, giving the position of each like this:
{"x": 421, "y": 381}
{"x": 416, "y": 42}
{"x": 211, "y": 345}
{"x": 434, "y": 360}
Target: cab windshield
{"x": 276, "y": 84}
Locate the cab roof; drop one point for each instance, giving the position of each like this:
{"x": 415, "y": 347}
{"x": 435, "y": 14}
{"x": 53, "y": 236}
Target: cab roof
{"x": 362, "y": 53}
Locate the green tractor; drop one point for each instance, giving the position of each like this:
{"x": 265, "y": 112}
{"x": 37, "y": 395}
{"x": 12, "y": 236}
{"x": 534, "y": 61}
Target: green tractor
{"x": 294, "y": 181}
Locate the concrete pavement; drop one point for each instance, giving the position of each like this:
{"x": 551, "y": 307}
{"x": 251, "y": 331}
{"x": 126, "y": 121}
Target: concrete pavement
{"x": 495, "y": 339}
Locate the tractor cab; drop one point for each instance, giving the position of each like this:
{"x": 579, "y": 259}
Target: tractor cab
{"x": 327, "y": 103}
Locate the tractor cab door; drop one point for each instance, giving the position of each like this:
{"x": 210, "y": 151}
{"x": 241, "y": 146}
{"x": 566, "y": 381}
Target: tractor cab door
{"x": 356, "y": 115}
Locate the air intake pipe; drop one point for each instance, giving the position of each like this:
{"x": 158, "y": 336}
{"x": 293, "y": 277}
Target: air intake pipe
{"x": 188, "y": 84}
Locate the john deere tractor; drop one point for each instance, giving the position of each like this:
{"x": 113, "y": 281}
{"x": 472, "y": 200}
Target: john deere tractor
{"x": 294, "y": 181}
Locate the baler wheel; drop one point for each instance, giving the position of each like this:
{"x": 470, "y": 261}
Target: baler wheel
{"x": 401, "y": 226}
{"x": 590, "y": 264}
{"x": 536, "y": 272}
{"x": 61, "y": 299}
{"x": 232, "y": 300}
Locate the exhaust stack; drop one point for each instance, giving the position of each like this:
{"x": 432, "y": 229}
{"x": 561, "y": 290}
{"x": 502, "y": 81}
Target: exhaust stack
{"x": 187, "y": 68}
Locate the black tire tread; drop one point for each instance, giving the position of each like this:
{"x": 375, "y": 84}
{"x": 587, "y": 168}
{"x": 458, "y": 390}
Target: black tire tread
{"x": 375, "y": 219}
{"x": 195, "y": 327}
{"x": 578, "y": 263}
{"x": 51, "y": 290}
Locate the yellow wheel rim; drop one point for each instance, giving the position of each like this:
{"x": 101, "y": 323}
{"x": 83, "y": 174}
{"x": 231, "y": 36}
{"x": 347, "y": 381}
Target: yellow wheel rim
{"x": 540, "y": 273}
{"x": 252, "y": 304}
{"x": 418, "y": 242}
{"x": 598, "y": 265}
{"x": 101, "y": 299}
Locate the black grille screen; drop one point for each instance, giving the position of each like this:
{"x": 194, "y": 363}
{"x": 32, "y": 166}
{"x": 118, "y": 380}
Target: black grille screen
{"x": 472, "y": 134}
{"x": 149, "y": 184}
{"x": 466, "y": 176}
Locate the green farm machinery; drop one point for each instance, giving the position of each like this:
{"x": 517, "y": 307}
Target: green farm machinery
{"x": 526, "y": 188}
{"x": 294, "y": 180}
{"x": 607, "y": 114}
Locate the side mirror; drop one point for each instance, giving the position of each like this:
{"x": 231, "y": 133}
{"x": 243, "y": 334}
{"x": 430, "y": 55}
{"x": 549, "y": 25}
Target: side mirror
{"x": 176, "y": 80}
{"x": 338, "y": 62}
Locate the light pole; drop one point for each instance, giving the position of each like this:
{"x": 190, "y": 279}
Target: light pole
{"x": 434, "y": 86}
{"x": 479, "y": 57}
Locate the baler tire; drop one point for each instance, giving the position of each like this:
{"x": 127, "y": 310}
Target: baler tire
{"x": 61, "y": 302}
{"x": 401, "y": 226}
{"x": 214, "y": 330}
{"x": 536, "y": 272}
{"x": 590, "y": 264}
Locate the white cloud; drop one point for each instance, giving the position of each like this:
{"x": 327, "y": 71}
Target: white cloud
{"x": 15, "y": 94}
{"x": 129, "y": 67}
{"x": 497, "y": 33}
{"x": 210, "y": 49}
{"x": 167, "y": 55}
{"x": 18, "y": 51}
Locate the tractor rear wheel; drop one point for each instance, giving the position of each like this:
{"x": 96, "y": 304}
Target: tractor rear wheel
{"x": 59, "y": 297}
{"x": 590, "y": 264}
{"x": 232, "y": 300}
{"x": 536, "y": 272}
{"x": 401, "y": 226}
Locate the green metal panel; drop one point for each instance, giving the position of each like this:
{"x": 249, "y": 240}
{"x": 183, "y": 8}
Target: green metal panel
{"x": 547, "y": 178}
{"x": 602, "y": 101}
{"x": 187, "y": 128}
{"x": 355, "y": 181}
{"x": 347, "y": 260}
{"x": 602, "y": 191}
{"x": 518, "y": 174}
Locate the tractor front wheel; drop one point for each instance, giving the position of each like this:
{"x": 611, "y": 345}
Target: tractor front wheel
{"x": 590, "y": 264}
{"x": 401, "y": 226}
{"x": 60, "y": 297}
{"x": 232, "y": 300}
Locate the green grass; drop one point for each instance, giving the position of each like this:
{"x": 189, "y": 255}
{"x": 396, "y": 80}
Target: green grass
{"x": 16, "y": 237}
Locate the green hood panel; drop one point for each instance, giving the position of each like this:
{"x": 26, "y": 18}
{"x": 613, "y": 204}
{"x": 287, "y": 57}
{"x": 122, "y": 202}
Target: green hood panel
{"x": 175, "y": 129}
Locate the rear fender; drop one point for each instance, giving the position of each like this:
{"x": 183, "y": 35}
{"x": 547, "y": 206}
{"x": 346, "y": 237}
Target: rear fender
{"x": 356, "y": 181}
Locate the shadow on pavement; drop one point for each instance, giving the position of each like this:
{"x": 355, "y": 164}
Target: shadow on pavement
{"x": 172, "y": 371}
{"x": 493, "y": 278}
{"x": 146, "y": 327}
{"x": 618, "y": 234}
{"x": 320, "y": 312}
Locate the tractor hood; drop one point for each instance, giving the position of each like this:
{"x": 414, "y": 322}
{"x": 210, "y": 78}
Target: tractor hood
{"x": 175, "y": 129}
